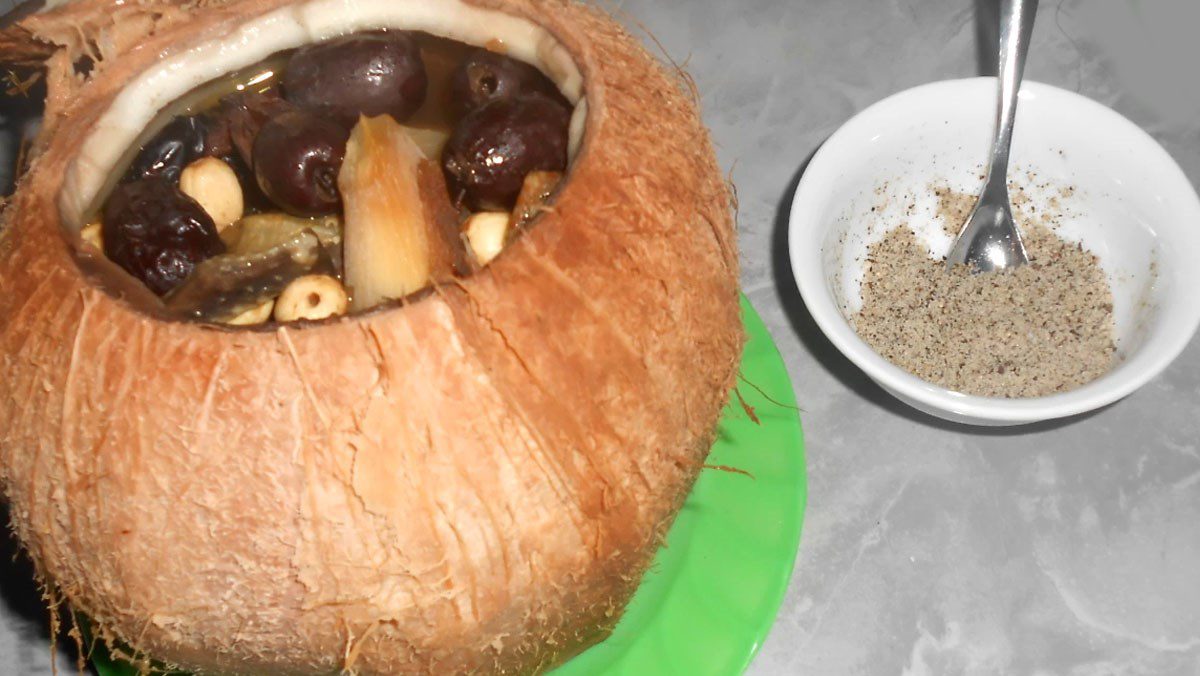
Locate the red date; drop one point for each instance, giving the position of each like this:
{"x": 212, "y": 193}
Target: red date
{"x": 157, "y": 233}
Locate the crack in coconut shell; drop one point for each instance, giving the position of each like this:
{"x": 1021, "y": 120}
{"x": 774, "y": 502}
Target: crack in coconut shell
{"x": 474, "y": 480}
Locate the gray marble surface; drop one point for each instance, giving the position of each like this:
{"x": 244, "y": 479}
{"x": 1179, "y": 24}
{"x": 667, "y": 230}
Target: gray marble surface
{"x": 1062, "y": 549}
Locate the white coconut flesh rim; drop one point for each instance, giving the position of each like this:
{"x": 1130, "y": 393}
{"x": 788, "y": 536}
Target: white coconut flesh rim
{"x": 140, "y": 102}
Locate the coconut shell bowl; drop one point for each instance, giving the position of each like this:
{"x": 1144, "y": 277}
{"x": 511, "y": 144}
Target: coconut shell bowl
{"x": 379, "y": 337}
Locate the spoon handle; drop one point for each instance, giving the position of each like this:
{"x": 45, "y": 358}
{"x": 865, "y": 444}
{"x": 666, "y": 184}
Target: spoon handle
{"x": 1015, "y": 30}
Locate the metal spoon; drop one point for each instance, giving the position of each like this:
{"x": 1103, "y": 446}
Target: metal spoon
{"x": 990, "y": 240}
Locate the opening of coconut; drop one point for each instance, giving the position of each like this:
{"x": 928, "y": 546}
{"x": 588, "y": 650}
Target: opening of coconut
{"x": 327, "y": 158}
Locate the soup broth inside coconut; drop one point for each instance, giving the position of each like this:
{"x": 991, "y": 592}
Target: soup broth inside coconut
{"x": 334, "y": 178}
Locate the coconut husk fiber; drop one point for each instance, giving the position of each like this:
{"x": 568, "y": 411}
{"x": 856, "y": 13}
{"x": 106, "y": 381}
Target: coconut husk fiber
{"x": 471, "y": 481}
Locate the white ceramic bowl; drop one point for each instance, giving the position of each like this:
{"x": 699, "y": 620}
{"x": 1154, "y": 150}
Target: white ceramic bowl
{"x": 1132, "y": 206}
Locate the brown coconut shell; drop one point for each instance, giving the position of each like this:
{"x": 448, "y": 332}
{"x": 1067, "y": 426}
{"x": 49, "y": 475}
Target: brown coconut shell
{"x": 475, "y": 481}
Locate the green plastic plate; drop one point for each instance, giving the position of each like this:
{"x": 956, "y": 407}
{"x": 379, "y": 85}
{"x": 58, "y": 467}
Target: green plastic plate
{"x": 714, "y": 589}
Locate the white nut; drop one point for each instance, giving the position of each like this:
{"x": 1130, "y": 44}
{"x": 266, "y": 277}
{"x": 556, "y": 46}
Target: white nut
{"x": 213, "y": 183}
{"x": 255, "y": 315}
{"x": 485, "y": 233}
{"x": 92, "y": 236}
{"x": 311, "y": 297}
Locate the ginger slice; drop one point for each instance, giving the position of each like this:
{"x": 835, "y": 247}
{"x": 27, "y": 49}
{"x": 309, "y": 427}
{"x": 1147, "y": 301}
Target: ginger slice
{"x": 535, "y": 192}
{"x": 394, "y": 244}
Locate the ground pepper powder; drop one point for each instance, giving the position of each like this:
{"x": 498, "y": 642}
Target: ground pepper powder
{"x": 1043, "y": 328}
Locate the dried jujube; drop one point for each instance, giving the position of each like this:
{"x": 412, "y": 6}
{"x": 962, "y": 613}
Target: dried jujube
{"x": 157, "y": 233}
{"x": 240, "y": 116}
{"x": 493, "y": 148}
{"x": 175, "y": 146}
{"x": 358, "y": 75}
{"x": 485, "y": 76}
{"x": 297, "y": 156}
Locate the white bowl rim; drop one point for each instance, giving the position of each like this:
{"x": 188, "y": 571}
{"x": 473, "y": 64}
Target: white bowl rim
{"x": 805, "y": 239}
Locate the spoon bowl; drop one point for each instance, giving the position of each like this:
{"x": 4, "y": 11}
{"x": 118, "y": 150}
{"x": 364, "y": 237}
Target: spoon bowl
{"x": 990, "y": 239}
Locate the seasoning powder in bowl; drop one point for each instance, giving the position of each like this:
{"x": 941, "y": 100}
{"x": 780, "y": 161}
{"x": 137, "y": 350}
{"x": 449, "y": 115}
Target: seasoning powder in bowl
{"x": 1040, "y": 329}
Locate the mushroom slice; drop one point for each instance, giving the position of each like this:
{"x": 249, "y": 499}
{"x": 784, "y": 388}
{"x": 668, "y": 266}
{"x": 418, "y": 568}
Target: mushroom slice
{"x": 225, "y": 286}
{"x": 262, "y": 232}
